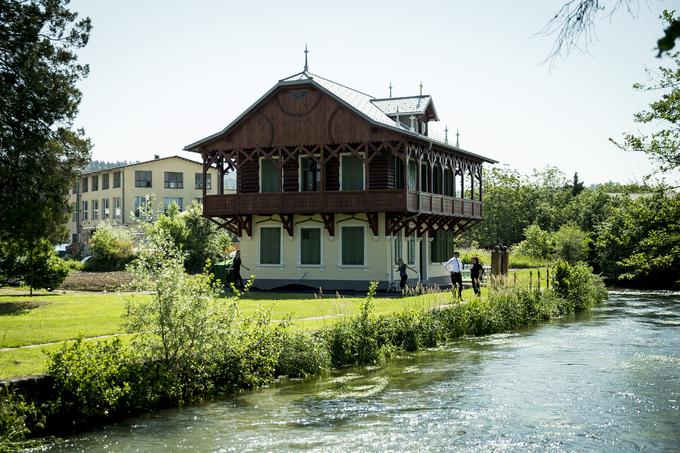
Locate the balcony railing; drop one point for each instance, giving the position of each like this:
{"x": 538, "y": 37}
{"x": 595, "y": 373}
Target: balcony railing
{"x": 340, "y": 202}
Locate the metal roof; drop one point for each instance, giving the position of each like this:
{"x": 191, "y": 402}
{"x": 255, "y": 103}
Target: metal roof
{"x": 118, "y": 167}
{"x": 407, "y": 105}
{"x": 362, "y": 103}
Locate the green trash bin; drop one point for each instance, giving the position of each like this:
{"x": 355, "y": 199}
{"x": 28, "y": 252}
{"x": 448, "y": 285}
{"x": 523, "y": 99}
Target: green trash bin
{"x": 224, "y": 271}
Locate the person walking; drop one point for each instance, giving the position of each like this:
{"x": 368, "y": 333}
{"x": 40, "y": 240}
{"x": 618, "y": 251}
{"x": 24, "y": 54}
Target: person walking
{"x": 476, "y": 273}
{"x": 237, "y": 269}
{"x": 455, "y": 267}
{"x": 403, "y": 276}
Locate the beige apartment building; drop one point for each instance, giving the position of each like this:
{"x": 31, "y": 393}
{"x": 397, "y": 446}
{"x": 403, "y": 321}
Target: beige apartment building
{"x": 115, "y": 194}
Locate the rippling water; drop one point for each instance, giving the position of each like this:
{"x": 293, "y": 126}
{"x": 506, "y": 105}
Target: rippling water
{"x": 607, "y": 381}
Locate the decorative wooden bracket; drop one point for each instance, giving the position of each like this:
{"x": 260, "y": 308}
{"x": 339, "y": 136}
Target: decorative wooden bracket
{"x": 287, "y": 221}
{"x": 373, "y": 222}
{"x": 245, "y": 222}
{"x": 329, "y": 223}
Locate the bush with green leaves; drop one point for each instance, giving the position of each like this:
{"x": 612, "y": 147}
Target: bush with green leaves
{"x": 301, "y": 355}
{"x": 577, "y": 284}
{"x": 112, "y": 248}
{"x": 182, "y": 327}
{"x": 91, "y": 381}
{"x": 36, "y": 266}
{"x": 19, "y": 419}
{"x": 537, "y": 243}
{"x": 571, "y": 243}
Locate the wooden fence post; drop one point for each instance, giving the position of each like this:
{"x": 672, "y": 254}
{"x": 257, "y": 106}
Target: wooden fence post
{"x": 531, "y": 280}
{"x": 538, "y": 278}
{"x": 547, "y": 278}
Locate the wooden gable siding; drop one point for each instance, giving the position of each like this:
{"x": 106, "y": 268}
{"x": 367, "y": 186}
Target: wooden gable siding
{"x": 298, "y": 116}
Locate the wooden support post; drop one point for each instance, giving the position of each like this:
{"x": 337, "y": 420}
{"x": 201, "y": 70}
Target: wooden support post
{"x": 329, "y": 223}
{"x": 373, "y": 222}
{"x": 287, "y": 221}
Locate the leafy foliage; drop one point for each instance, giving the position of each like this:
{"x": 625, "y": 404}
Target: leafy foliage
{"x": 578, "y": 285}
{"x": 538, "y": 243}
{"x": 18, "y": 420}
{"x": 111, "y": 247}
{"x": 571, "y": 243}
{"x": 40, "y": 153}
{"x": 37, "y": 267}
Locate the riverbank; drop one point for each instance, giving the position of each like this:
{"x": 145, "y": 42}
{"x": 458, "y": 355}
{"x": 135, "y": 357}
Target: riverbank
{"x": 101, "y": 382}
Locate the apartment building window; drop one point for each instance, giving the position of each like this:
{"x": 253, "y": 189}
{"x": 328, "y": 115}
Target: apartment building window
{"x": 105, "y": 181}
{"x": 117, "y": 208}
{"x": 142, "y": 178}
{"x": 167, "y": 201}
{"x": 95, "y": 209}
{"x": 353, "y": 246}
{"x": 173, "y": 180}
{"x": 95, "y": 182}
{"x": 74, "y": 213}
{"x": 351, "y": 173}
{"x": 141, "y": 203}
{"x": 199, "y": 200}
{"x": 116, "y": 179}
{"x": 105, "y": 208}
{"x": 84, "y": 210}
{"x": 310, "y": 246}
{"x": 270, "y": 245}
{"x": 198, "y": 180}
{"x": 83, "y": 184}
{"x": 270, "y": 176}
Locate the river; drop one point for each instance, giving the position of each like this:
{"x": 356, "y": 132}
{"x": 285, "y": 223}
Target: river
{"x": 608, "y": 380}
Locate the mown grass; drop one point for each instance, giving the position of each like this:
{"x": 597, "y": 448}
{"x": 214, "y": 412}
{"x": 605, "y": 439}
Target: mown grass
{"x": 47, "y": 319}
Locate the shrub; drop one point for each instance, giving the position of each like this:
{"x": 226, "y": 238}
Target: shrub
{"x": 538, "y": 243}
{"x": 18, "y": 420}
{"x": 90, "y": 380}
{"x": 111, "y": 247}
{"x": 571, "y": 244}
{"x": 302, "y": 355}
{"x": 577, "y": 284}
{"x": 38, "y": 266}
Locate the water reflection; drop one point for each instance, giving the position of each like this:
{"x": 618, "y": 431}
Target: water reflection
{"x": 607, "y": 381}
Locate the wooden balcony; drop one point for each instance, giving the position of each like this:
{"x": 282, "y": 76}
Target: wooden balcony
{"x": 339, "y": 202}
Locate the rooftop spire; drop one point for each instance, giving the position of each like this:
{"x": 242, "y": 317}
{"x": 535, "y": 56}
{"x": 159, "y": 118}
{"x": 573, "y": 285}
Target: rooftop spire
{"x": 306, "y": 52}
{"x": 457, "y": 135}
{"x": 446, "y": 134}
{"x": 390, "y": 89}
{"x": 421, "y": 87}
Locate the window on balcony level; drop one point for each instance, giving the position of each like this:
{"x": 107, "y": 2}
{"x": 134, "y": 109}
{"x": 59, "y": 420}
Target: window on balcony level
{"x": 448, "y": 182}
{"x": 437, "y": 179}
{"x": 398, "y": 173}
{"x": 351, "y": 173}
{"x": 310, "y": 176}
{"x": 424, "y": 177}
{"x": 270, "y": 176}
{"x": 412, "y": 175}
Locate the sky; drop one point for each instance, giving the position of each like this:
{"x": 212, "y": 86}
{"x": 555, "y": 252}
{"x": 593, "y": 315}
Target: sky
{"x": 165, "y": 74}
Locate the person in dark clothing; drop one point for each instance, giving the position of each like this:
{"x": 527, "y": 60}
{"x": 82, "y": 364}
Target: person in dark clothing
{"x": 476, "y": 273}
{"x": 403, "y": 275}
{"x": 236, "y": 266}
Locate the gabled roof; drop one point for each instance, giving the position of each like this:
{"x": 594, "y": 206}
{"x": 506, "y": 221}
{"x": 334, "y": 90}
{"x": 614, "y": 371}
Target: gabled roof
{"x": 411, "y": 105}
{"x": 361, "y": 103}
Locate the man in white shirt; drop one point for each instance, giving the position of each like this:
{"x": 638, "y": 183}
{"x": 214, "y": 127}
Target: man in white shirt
{"x": 455, "y": 267}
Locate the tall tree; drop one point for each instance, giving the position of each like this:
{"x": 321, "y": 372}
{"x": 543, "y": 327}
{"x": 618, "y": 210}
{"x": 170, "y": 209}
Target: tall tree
{"x": 662, "y": 145}
{"x": 40, "y": 151}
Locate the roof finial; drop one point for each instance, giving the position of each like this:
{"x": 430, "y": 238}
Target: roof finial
{"x": 398, "y": 122}
{"x": 457, "y": 135}
{"x": 390, "y": 89}
{"x": 306, "y": 52}
{"x": 446, "y": 134}
{"x": 421, "y": 87}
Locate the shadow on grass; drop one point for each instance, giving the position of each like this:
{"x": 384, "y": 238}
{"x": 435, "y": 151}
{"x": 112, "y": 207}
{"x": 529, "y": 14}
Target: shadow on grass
{"x": 19, "y": 307}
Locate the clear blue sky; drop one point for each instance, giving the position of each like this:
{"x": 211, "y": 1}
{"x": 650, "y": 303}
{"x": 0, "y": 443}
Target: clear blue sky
{"x": 164, "y": 74}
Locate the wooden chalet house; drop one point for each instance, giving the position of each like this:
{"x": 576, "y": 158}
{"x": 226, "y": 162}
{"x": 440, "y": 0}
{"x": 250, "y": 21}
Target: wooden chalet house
{"x": 334, "y": 185}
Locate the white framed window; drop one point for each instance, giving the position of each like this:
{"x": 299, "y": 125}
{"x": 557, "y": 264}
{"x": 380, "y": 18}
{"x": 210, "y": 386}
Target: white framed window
{"x": 179, "y": 201}
{"x": 411, "y": 249}
{"x": 351, "y": 172}
{"x": 173, "y": 180}
{"x": 270, "y": 245}
{"x": 105, "y": 208}
{"x": 398, "y": 247}
{"x": 84, "y": 210}
{"x": 353, "y": 245}
{"x": 95, "y": 209}
{"x": 311, "y": 244}
{"x": 270, "y": 176}
{"x": 117, "y": 207}
{"x": 412, "y": 175}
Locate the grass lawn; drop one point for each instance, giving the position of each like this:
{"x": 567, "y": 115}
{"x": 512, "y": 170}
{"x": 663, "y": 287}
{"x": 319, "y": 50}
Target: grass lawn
{"x": 56, "y": 317}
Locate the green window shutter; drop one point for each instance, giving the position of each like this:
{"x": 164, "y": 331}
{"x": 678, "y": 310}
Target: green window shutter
{"x": 412, "y": 175}
{"x": 271, "y": 176}
{"x": 352, "y": 173}
{"x": 353, "y": 245}
{"x": 310, "y": 246}
{"x": 270, "y": 245}
{"x": 412, "y": 249}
